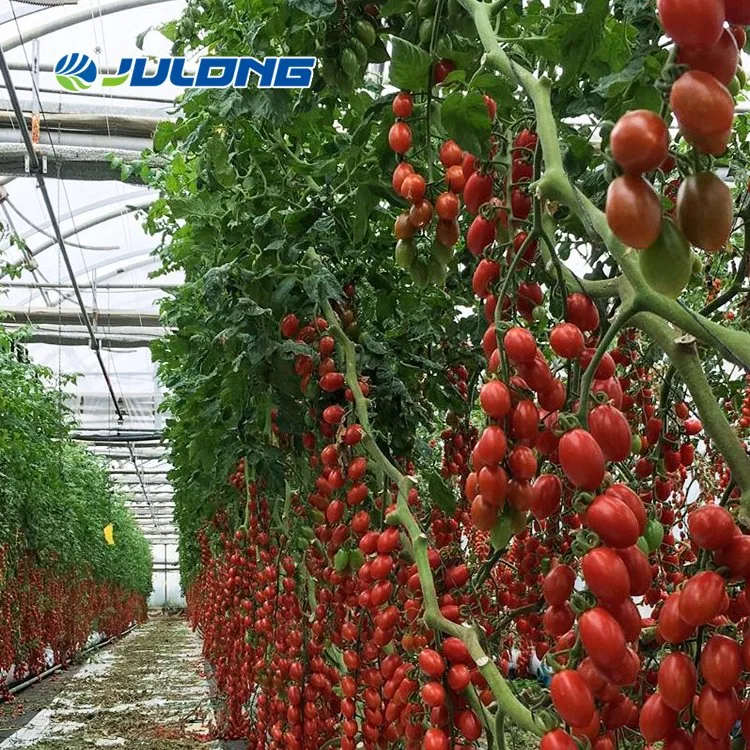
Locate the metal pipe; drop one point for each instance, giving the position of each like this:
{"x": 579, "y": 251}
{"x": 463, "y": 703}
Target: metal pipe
{"x": 36, "y": 167}
{"x": 105, "y": 287}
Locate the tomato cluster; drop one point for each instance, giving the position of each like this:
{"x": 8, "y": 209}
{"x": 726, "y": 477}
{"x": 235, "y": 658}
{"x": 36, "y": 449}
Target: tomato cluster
{"x": 43, "y": 608}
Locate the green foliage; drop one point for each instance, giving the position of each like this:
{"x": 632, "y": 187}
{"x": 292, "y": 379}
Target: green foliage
{"x": 55, "y": 497}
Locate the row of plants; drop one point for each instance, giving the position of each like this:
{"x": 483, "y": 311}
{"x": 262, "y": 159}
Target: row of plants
{"x": 458, "y": 376}
{"x": 60, "y": 580}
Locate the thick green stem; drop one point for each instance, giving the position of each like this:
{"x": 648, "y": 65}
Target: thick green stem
{"x": 506, "y": 700}
{"x": 683, "y": 354}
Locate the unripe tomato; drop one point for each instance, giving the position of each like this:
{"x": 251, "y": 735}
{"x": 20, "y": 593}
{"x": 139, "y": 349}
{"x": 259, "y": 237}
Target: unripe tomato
{"x": 667, "y": 265}
{"x": 705, "y": 211}
{"x": 640, "y": 141}
{"x": 634, "y": 211}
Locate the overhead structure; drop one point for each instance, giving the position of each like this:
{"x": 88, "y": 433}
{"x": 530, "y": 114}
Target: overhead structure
{"x": 77, "y": 268}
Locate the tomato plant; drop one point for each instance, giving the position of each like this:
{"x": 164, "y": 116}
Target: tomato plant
{"x": 513, "y": 433}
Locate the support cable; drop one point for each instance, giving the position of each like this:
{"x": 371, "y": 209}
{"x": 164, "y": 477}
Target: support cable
{"x": 36, "y": 169}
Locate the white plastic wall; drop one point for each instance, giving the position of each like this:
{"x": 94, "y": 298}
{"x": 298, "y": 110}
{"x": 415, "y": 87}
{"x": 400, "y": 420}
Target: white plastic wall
{"x": 166, "y": 577}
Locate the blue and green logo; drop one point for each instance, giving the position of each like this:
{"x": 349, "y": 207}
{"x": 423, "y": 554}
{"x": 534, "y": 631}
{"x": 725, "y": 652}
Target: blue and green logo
{"x": 76, "y": 72}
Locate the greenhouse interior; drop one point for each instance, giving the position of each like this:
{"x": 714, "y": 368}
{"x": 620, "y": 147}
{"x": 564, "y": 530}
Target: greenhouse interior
{"x": 374, "y": 375}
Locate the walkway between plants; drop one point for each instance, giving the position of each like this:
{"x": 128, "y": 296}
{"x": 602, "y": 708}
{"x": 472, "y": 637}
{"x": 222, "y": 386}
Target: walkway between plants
{"x": 146, "y": 692}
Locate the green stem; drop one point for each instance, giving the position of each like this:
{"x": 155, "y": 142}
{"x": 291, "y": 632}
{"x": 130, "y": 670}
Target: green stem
{"x": 433, "y": 618}
{"x": 622, "y": 317}
{"x": 683, "y": 354}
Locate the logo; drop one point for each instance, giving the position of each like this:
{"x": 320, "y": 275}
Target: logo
{"x": 76, "y": 72}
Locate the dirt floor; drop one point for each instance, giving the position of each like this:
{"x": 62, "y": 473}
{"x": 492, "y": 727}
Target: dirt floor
{"x": 147, "y": 691}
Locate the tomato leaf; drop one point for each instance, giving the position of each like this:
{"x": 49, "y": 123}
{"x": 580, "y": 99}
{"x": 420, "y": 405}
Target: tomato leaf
{"x": 315, "y": 8}
{"x": 440, "y": 493}
{"x": 410, "y": 66}
{"x": 465, "y": 119}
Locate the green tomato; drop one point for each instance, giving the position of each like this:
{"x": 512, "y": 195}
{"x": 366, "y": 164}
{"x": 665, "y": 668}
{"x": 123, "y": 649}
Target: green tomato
{"x": 418, "y": 273}
{"x": 741, "y": 77}
{"x": 734, "y": 86}
{"x": 341, "y": 561}
{"x": 437, "y": 273}
{"x": 426, "y": 7}
{"x": 668, "y": 264}
{"x": 441, "y": 253}
{"x": 360, "y": 51}
{"x": 653, "y": 535}
{"x": 405, "y": 254}
{"x": 425, "y": 31}
{"x": 307, "y": 532}
{"x": 636, "y": 444}
{"x": 697, "y": 267}
{"x": 365, "y": 32}
{"x": 356, "y": 559}
{"x": 349, "y": 62}
{"x": 643, "y": 545}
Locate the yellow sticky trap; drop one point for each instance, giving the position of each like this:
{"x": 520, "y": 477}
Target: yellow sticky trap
{"x": 109, "y": 533}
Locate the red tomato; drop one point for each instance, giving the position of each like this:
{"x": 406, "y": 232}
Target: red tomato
{"x": 433, "y": 694}
{"x": 639, "y": 141}
{"x": 447, "y": 206}
{"x": 469, "y": 725}
{"x": 403, "y": 104}
{"x": 611, "y": 430}
{"x": 524, "y": 422}
{"x": 605, "y": 574}
{"x": 451, "y": 154}
{"x": 520, "y": 345}
{"x": 436, "y": 739}
{"x": 455, "y": 179}
{"x": 721, "y": 662}
{"x": 627, "y": 614}
{"x": 558, "y": 620}
{"x": 592, "y": 676}
{"x": 547, "y": 495}
{"x": 671, "y": 627}
{"x": 639, "y": 569}
{"x": 557, "y": 740}
{"x": 478, "y": 190}
{"x": 613, "y": 521}
{"x": 491, "y": 446}
{"x": 493, "y": 485}
{"x": 495, "y": 399}
{"x": 483, "y": 514}
{"x": 522, "y": 463}
{"x": 399, "y": 175}
{"x": 399, "y": 137}
{"x": 572, "y": 697}
{"x": 558, "y": 585}
{"x": 657, "y": 719}
{"x": 431, "y": 663}
{"x": 693, "y": 23}
{"x": 455, "y": 651}
{"x": 581, "y": 459}
{"x": 737, "y": 11}
{"x": 711, "y": 527}
{"x": 702, "y": 106}
{"x": 634, "y": 211}
{"x": 566, "y": 340}
{"x": 702, "y": 597}
{"x": 602, "y": 637}
{"x": 413, "y": 188}
{"x": 720, "y": 60}
{"x": 581, "y": 311}
{"x": 717, "y": 712}
{"x": 487, "y": 272}
{"x": 481, "y": 235}
{"x": 624, "y": 493}
{"x": 677, "y": 680}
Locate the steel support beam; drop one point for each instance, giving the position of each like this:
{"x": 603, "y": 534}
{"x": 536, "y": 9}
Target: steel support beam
{"x": 97, "y": 318}
{"x": 105, "y": 341}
